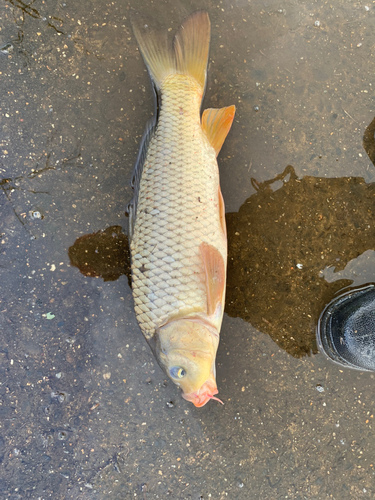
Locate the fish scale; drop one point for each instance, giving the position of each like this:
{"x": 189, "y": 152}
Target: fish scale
{"x": 177, "y": 210}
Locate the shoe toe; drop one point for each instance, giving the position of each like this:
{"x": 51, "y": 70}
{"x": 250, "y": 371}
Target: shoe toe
{"x": 346, "y": 329}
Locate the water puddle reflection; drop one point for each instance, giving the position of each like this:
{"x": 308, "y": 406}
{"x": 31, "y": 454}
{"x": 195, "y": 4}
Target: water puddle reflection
{"x": 102, "y": 254}
{"x": 281, "y": 244}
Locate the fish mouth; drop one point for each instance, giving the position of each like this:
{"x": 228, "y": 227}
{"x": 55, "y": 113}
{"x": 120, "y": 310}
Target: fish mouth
{"x": 203, "y": 395}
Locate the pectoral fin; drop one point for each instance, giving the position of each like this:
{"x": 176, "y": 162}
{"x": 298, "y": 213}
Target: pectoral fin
{"x": 214, "y": 267}
{"x": 216, "y": 123}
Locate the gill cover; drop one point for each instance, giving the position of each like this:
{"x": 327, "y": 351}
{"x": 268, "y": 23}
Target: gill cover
{"x": 186, "y": 350}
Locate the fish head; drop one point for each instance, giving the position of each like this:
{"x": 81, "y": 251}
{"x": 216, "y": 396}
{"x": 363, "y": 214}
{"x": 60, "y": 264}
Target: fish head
{"x": 186, "y": 350}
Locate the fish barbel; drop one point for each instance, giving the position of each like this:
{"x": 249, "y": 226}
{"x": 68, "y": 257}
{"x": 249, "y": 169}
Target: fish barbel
{"x": 177, "y": 227}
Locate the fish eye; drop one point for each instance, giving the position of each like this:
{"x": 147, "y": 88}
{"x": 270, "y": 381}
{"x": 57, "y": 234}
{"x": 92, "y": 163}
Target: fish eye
{"x": 177, "y": 372}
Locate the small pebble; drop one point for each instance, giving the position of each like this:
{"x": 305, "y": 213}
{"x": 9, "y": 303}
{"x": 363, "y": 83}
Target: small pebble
{"x": 170, "y": 404}
{"x": 320, "y": 388}
{"x": 317, "y": 23}
{"x": 7, "y": 49}
{"x": 62, "y": 435}
{"x": 60, "y": 396}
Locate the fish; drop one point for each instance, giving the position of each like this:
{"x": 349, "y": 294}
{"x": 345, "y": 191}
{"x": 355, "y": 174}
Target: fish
{"x": 177, "y": 232}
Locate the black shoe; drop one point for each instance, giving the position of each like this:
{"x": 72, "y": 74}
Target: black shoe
{"x": 346, "y": 329}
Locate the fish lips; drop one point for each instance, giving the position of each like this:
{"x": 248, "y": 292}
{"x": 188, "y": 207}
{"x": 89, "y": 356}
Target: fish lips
{"x": 204, "y": 394}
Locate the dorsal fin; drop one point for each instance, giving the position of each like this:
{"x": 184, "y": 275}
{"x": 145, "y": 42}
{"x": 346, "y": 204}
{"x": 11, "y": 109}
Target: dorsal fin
{"x": 216, "y": 123}
{"x": 137, "y": 173}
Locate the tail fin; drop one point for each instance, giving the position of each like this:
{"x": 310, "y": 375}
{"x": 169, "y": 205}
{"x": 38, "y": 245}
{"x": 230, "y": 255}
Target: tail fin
{"x": 191, "y": 45}
{"x": 188, "y": 55}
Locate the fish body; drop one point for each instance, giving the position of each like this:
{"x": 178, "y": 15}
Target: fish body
{"x": 176, "y": 220}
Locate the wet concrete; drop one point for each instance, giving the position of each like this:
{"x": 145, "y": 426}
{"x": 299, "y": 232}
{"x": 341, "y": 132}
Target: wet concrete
{"x": 85, "y": 410}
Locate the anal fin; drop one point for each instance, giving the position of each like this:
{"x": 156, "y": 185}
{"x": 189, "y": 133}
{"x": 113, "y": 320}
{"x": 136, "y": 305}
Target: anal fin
{"x": 216, "y": 123}
{"x": 214, "y": 267}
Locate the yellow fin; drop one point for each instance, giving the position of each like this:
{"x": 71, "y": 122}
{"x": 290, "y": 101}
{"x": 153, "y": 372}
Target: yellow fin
{"x": 216, "y": 123}
{"x": 158, "y": 54}
{"x": 191, "y": 44}
{"x": 214, "y": 268}
{"x": 188, "y": 55}
{"x": 222, "y": 213}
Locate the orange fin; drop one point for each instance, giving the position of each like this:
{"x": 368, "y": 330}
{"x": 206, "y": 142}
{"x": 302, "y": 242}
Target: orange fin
{"x": 222, "y": 213}
{"x": 214, "y": 267}
{"x": 216, "y": 123}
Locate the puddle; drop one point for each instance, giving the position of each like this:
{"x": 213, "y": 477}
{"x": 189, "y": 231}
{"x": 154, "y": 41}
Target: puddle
{"x": 103, "y": 254}
{"x": 293, "y": 247}
{"x": 85, "y": 412}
